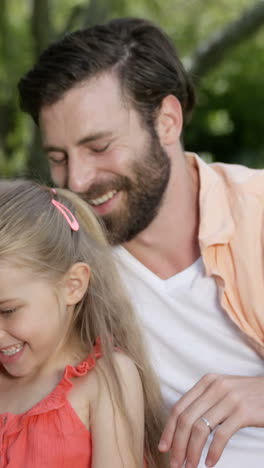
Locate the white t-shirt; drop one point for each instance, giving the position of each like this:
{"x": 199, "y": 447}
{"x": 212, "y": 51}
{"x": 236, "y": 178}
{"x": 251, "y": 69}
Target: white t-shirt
{"x": 188, "y": 335}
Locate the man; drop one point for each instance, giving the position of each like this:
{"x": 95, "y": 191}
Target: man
{"x": 111, "y": 103}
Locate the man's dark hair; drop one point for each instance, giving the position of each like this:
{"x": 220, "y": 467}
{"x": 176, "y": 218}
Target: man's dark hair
{"x": 138, "y": 52}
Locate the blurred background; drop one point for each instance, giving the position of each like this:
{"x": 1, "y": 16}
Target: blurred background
{"x": 220, "y": 42}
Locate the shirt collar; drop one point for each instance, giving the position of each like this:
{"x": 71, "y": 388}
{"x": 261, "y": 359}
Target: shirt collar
{"x": 216, "y": 222}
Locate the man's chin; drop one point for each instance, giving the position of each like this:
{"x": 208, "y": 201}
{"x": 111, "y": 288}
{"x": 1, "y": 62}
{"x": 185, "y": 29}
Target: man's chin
{"x": 115, "y": 227}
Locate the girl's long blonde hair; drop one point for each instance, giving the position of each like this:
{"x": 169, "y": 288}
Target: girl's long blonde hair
{"x": 33, "y": 233}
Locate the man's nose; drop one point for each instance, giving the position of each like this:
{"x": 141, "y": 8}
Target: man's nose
{"x": 81, "y": 174}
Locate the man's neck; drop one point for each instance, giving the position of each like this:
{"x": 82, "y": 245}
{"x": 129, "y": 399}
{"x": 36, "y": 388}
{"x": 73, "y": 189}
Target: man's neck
{"x": 170, "y": 242}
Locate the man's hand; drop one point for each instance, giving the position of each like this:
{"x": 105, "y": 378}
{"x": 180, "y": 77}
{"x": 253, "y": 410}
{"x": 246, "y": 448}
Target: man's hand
{"x": 228, "y": 403}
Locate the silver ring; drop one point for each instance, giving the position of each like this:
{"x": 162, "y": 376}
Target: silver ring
{"x": 207, "y": 423}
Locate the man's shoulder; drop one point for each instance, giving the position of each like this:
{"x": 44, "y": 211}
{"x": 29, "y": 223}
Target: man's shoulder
{"x": 228, "y": 192}
{"x": 234, "y": 177}
{"x": 240, "y": 178}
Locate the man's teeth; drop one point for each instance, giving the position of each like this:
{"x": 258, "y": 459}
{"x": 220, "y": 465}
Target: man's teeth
{"x": 103, "y": 199}
{"x": 12, "y": 350}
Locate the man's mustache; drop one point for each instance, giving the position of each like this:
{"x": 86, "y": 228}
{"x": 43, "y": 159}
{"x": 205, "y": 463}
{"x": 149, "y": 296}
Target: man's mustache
{"x": 99, "y": 189}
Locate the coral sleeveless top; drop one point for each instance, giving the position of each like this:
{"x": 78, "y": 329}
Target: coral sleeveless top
{"x": 49, "y": 435}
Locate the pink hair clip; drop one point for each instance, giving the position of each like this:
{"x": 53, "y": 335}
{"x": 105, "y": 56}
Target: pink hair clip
{"x": 70, "y": 218}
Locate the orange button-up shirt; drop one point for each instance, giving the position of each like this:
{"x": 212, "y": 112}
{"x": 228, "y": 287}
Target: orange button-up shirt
{"x": 231, "y": 237}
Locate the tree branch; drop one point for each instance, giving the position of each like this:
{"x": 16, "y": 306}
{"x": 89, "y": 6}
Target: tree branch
{"x": 212, "y": 52}
{"x": 84, "y": 16}
{"x": 42, "y": 33}
{"x": 41, "y": 25}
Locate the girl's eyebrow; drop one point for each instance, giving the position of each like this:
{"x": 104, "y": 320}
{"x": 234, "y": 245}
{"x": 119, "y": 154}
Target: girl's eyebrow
{"x": 3, "y": 301}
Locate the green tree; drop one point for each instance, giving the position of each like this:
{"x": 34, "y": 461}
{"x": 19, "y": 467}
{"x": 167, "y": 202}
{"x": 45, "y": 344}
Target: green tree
{"x": 220, "y": 43}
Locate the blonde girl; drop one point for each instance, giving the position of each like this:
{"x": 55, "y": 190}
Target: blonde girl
{"x": 76, "y": 387}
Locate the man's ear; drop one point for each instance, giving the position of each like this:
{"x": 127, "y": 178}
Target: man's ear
{"x": 76, "y": 282}
{"x": 169, "y": 120}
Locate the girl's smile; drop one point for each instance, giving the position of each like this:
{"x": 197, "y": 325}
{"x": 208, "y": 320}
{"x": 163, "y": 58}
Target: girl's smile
{"x": 11, "y": 353}
{"x": 32, "y": 322}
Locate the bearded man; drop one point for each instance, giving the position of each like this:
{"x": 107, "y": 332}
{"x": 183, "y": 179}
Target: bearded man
{"x": 111, "y": 103}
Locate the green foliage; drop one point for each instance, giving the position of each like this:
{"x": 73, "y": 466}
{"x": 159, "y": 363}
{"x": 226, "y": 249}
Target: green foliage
{"x": 227, "y": 124}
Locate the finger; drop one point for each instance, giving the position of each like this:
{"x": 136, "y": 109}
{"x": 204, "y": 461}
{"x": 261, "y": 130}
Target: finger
{"x": 168, "y": 432}
{"x": 197, "y": 390}
{"x": 221, "y": 437}
{"x": 184, "y": 402}
{"x": 200, "y": 430}
{"x": 181, "y": 435}
{"x": 189, "y": 419}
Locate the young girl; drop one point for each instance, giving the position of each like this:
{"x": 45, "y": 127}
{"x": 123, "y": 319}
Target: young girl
{"x": 76, "y": 388}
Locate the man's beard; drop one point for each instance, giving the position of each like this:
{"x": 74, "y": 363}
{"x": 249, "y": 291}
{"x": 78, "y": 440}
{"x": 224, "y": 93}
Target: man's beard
{"x": 144, "y": 192}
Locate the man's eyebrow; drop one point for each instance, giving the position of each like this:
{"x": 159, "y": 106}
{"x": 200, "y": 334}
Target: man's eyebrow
{"x": 49, "y": 148}
{"x": 82, "y": 141}
{"x": 93, "y": 137}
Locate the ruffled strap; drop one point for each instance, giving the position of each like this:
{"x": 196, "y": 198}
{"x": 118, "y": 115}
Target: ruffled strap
{"x": 85, "y": 366}
{"x": 58, "y": 396}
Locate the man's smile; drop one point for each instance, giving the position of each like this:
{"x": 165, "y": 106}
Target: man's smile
{"x": 104, "y": 198}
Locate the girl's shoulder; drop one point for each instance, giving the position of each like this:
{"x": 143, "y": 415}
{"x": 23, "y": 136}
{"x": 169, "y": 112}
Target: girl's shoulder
{"x": 116, "y": 412}
{"x": 125, "y": 368}
{"x": 102, "y": 375}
